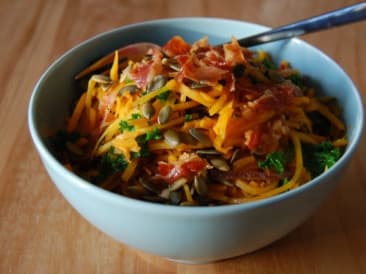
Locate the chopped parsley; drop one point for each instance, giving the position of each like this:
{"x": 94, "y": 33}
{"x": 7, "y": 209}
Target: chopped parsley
{"x": 163, "y": 96}
{"x": 110, "y": 164}
{"x": 296, "y": 79}
{"x": 124, "y": 125}
{"x": 135, "y": 116}
{"x": 144, "y": 149}
{"x": 188, "y": 117}
{"x": 283, "y": 182}
{"x": 318, "y": 158}
{"x": 275, "y": 160}
{"x": 153, "y": 135}
{"x": 268, "y": 64}
{"x": 143, "y": 141}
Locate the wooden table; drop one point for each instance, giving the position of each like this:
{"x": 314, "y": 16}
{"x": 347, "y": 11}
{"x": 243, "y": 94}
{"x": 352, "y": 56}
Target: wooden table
{"x": 41, "y": 233}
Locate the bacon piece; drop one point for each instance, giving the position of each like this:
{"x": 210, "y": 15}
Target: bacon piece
{"x": 233, "y": 53}
{"x": 198, "y": 71}
{"x": 143, "y": 73}
{"x": 176, "y": 46}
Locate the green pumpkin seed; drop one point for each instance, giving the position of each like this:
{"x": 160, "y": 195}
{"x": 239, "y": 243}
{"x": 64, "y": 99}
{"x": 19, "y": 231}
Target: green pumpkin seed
{"x": 158, "y": 82}
{"x": 198, "y": 85}
{"x": 148, "y": 110}
{"x": 165, "y": 193}
{"x": 200, "y": 136}
{"x": 208, "y": 152}
{"x": 187, "y": 138}
{"x": 171, "y": 63}
{"x": 164, "y": 114}
{"x": 220, "y": 164}
{"x": 227, "y": 183}
{"x": 175, "y": 197}
{"x": 200, "y": 185}
{"x": 171, "y": 137}
{"x": 235, "y": 155}
{"x": 129, "y": 88}
{"x": 148, "y": 186}
{"x": 178, "y": 184}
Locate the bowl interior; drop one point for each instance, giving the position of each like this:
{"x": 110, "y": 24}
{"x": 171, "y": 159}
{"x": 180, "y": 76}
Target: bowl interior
{"x": 56, "y": 91}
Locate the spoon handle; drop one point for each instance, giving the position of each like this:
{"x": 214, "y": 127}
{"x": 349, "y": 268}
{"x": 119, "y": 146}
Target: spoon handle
{"x": 346, "y": 15}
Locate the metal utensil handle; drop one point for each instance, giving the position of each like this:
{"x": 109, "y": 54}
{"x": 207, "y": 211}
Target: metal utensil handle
{"x": 349, "y": 14}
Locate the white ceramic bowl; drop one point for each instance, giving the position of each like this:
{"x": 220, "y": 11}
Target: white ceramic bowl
{"x": 189, "y": 234}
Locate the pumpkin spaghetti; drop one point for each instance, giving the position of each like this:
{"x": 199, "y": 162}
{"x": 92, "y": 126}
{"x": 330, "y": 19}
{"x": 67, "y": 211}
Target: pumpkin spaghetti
{"x": 199, "y": 125}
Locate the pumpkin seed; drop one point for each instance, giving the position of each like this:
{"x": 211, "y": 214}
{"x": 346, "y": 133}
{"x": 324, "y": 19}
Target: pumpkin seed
{"x": 129, "y": 88}
{"x": 187, "y": 139}
{"x": 171, "y": 137}
{"x": 164, "y": 114}
{"x": 200, "y": 136}
{"x": 101, "y": 79}
{"x": 197, "y": 85}
{"x": 171, "y": 63}
{"x": 165, "y": 193}
{"x": 148, "y": 186}
{"x": 75, "y": 149}
{"x": 200, "y": 185}
{"x": 148, "y": 110}
{"x": 220, "y": 164}
{"x": 175, "y": 197}
{"x": 235, "y": 155}
{"x": 208, "y": 152}
{"x": 158, "y": 82}
{"x": 154, "y": 199}
{"x": 227, "y": 183}
{"x": 178, "y": 184}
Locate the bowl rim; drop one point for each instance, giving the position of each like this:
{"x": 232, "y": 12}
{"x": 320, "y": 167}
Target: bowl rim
{"x": 80, "y": 183}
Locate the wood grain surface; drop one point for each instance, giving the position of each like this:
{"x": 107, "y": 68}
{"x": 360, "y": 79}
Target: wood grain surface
{"x": 41, "y": 233}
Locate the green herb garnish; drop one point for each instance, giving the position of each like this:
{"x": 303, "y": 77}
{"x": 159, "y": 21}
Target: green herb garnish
{"x": 124, "y": 125}
{"x": 135, "y": 116}
{"x": 143, "y": 141}
{"x": 268, "y": 64}
{"x": 318, "y": 158}
{"x": 163, "y": 96}
{"x": 188, "y": 117}
{"x": 275, "y": 160}
{"x": 153, "y": 135}
{"x": 283, "y": 182}
{"x": 110, "y": 164}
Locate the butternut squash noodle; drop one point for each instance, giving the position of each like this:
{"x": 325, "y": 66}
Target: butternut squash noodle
{"x": 197, "y": 124}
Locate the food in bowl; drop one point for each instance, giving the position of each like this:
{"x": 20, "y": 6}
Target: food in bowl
{"x": 194, "y": 234}
{"x": 196, "y": 124}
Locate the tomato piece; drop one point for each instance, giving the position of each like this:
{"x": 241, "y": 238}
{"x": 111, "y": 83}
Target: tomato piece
{"x": 254, "y": 139}
{"x": 193, "y": 166}
{"x": 172, "y": 172}
{"x": 164, "y": 169}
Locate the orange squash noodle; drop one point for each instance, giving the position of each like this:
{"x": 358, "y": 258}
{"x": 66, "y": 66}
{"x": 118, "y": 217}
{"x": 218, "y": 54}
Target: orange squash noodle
{"x": 195, "y": 124}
